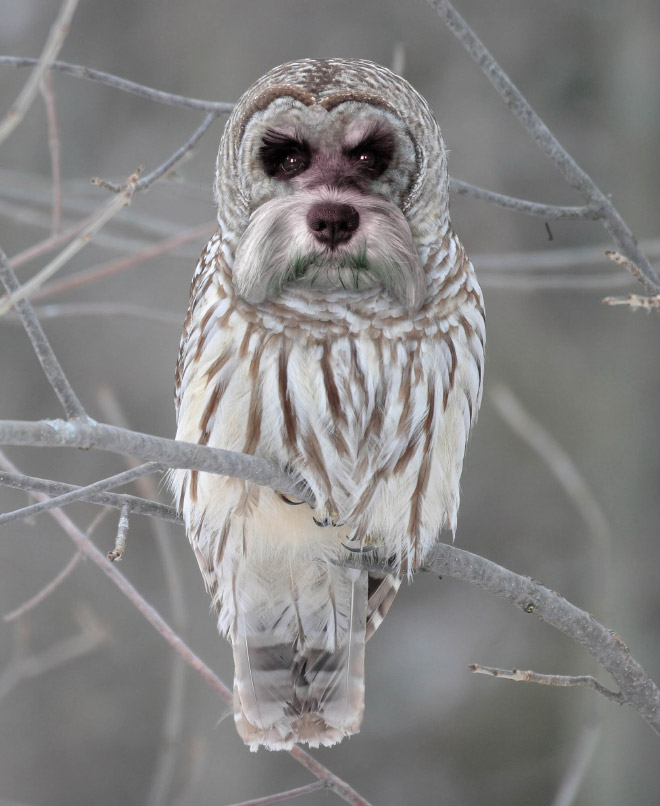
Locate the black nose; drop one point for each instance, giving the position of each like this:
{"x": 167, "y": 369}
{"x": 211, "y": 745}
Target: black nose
{"x": 333, "y": 223}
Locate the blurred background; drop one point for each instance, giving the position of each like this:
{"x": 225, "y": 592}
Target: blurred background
{"x": 115, "y": 718}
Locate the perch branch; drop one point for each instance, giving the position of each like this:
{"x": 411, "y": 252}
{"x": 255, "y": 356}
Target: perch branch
{"x": 173, "y": 453}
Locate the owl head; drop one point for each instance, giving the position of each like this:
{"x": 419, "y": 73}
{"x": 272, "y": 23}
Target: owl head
{"x": 332, "y": 179}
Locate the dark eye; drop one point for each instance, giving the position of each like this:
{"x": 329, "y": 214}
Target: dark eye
{"x": 367, "y": 159}
{"x": 282, "y": 155}
{"x": 291, "y": 163}
{"x": 374, "y": 154}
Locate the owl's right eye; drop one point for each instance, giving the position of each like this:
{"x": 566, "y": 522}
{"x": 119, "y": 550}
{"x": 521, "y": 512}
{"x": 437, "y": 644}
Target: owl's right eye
{"x": 283, "y": 156}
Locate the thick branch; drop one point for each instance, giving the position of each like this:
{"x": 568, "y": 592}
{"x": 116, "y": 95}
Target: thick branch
{"x": 636, "y": 687}
{"x": 173, "y": 453}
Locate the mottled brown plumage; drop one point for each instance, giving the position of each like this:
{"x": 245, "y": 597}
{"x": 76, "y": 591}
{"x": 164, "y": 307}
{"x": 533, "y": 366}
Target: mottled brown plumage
{"x": 335, "y": 327}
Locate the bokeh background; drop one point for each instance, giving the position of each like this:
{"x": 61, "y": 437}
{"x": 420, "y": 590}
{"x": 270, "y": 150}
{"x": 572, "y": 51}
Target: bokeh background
{"x": 90, "y": 731}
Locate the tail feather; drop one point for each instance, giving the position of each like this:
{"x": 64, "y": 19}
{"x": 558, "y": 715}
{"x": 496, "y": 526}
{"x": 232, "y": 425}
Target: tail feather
{"x": 302, "y": 679}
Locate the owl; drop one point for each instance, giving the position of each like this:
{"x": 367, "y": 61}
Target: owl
{"x": 335, "y": 328}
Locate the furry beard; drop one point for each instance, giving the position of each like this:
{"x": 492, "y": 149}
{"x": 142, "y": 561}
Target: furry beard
{"x": 278, "y": 249}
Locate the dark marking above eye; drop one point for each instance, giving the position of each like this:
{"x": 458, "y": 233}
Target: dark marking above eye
{"x": 283, "y": 155}
{"x": 374, "y": 153}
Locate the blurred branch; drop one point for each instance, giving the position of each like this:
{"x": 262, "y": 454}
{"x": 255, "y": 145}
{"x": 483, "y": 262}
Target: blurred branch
{"x": 548, "y": 143}
{"x": 47, "y": 358}
{"x": 24, "y": 666}
{"x": 520, "y": 676}
{"x": 570, "y": 785}
{"x": 42, "y": 65}
{"x": 97, "y": 221}
{"x": 123, "y": 264}
{"x": 170, "y": 162}
{"x": 54, "y": 148}
{"x": 278, "y": 797}
{"x": 45, "y": 592}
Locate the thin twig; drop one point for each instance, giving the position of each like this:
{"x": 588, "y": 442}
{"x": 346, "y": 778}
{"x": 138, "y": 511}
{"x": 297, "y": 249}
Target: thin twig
{"x": 556, "y": 282}
{"x": 45, "y": 591}
{"x": 136, "y": 506}
{"x": 552, "y": 258}
{"x": 278, "y": 797}
{"x": 170, "y": 452}
{"x": 78, "y": 495}
{"x": 23, "y": 666}
{"x": 119, "y": 550}
{"x": 113, "y": 310}
{"x": 48, "y": 95}
{"x": 42, "y": 65}
{"x": 79, "y": 71}
{"x": 98, "y": 220}
{"x": 123, "y": 264}
{"x": 47, "y": 358}
{"x": 585, "y": 212}
{"x": 548, "y": 143}
{"x": 171, "y": 161}
{"x": 520, "y": 676}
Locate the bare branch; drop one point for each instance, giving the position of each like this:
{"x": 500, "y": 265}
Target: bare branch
{"x": 548, "y": 143}
{"x": 520, "y": 676}
{"x": 570, "y": 785}
{"x": 136, "y": 506}
{"x": 97, "y": 221}
{"x": 123, "y": 264}
{"x": 278, "y": 797}
{"x": 635, "y": 302}
{"x": 54, "y": 148}
{"x": 79, "y": 71}
{"x": 56, "y": 37}
{"x": 170, "y": 162}
{"x": 170, "y": 452}
{"x": 24, "y": 666}
{"x": 78, "y": 495}
{"x": 122, "y": 533}
{"x": 47, "y": 358}
{"x": 586, "y": 212}
{"x": 45, "y": 591}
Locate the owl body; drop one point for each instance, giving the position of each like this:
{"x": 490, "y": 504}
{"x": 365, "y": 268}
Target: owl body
{"x": 335, "y": 328}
